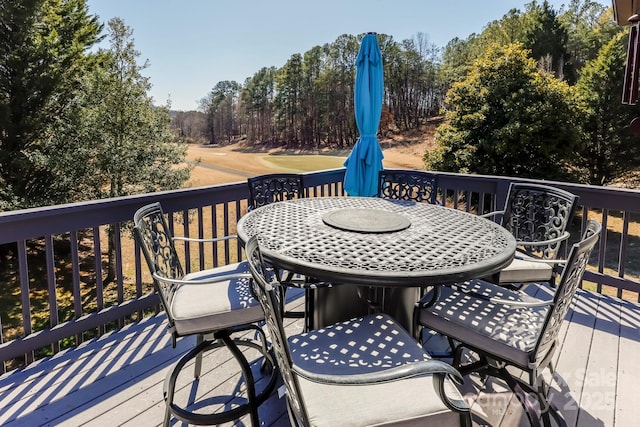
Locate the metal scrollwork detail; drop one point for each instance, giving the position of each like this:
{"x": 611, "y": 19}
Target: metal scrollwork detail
{"x": 535, "y": 215}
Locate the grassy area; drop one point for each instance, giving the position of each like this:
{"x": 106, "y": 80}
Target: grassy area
{"x": 304, "y": 163}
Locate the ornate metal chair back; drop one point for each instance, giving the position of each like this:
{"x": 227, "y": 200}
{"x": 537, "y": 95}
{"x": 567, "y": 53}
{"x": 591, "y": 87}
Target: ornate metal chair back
{"x": 569, "y": 282}
{"x": 265, "y": 189}
{"x": 267, "y": 290}
{"x": 537, "y": 212}
{"x": 413, "y": 185}
{"x": 155, "y": 239}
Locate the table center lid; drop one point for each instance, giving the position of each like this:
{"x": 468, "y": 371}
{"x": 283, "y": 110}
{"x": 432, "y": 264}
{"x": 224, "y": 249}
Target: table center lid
{"x": 366, "y": 220}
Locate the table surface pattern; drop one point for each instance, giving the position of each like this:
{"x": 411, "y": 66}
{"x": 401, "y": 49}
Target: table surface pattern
{"x": 441, "y": 245}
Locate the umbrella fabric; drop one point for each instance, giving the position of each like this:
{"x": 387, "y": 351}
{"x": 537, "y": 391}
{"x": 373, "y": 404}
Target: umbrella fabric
{"x": 365, "y": 160}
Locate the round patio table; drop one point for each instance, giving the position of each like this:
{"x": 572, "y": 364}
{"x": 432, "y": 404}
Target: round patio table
{"x": 378, "y": 242}
{"x": 396, "y": 246}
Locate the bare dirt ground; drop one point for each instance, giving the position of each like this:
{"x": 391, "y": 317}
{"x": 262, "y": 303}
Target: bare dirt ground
{"x": 236, "y": 162}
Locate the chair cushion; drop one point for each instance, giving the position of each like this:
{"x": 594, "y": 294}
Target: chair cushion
{"x": 524, "y": 270}
{"x": 410, "y": 402}
{"x": 510, "y": 332}
{"x": 199, "y": 308}
{"x": 367, "y": 344}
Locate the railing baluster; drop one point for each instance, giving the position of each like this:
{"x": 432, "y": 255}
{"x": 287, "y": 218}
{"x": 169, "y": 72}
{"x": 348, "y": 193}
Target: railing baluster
{"x": 624, "y": 241}
{"x": 24, "y": 293}
{"x": 603, "y": 246}
{"x": 481, "y": 197}
{"x": 97, "y": 253}
{"x": 51, "y": 287}
{"x": 75, "y": 277}
{"x": 226, "y": 232}
{"x": 187, "y": 244}
{"x": 200, "y": 236}
{"x": 117, "y": 240}
{"x": 214, "y": 228}
{"x": 138, "y": 271}
{"x": 238, "y": 215}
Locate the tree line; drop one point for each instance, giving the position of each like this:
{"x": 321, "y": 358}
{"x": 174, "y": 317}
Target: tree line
{"x": 505, "y": 119}
{"x": 308, "y": 102}
{"x": 77, "y": 122}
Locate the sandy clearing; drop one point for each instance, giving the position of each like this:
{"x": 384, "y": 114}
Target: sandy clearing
{"x": 234, "y": 162}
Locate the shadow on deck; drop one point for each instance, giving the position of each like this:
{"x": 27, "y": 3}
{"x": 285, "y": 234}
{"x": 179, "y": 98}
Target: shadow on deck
{"x": 118, "y": 378}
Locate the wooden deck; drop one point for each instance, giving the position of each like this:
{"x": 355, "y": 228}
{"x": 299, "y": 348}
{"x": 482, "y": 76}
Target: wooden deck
{"x": 118, "y": 379}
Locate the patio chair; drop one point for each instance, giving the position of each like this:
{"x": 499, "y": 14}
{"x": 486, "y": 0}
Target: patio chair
{"x": 276, "y": 187}
{"x": 413, "y": 185}
{"x": 362, "y": 372}
{"x": 508, "y": 328}
{"x": 537, "y": 216}
{"x": 215, "y": 302}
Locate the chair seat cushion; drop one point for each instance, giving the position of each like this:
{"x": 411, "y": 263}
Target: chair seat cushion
{"x": 199, "y": 308}
{"x": 410, "y": 402}
{"x": 490, "y": 327}
{"x": 378, "y": 344}
{"x": 524, "y": 270}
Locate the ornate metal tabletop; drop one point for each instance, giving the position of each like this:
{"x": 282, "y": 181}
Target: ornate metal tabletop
{"x": 375, "y": 241}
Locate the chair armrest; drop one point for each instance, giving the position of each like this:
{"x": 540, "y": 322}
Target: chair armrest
{"x": 542, "y": 260}
{"x": 509, "y": 303}
{"x": 392, "y": 374}
{"x": 212, "y": 239}
{"x": 564, "y": 236}
{"x": 437, "y": 368}
{"x": 491, "y": 214}
{"x": 210, "y": 280}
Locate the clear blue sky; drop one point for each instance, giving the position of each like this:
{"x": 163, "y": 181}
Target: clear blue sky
{"x": 192, "y": 45}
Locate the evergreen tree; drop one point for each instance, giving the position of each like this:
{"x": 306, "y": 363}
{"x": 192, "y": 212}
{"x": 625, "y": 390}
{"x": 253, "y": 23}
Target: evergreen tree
{"x": 589, "y": 26}
{"x": 507, "y": 118}
{"x": 546, "y": 38}
{"x": 257, "y": 104}
{"x": 610, "y": 150}
{"x": 118, "y": 142}
{"x": 221, "y": 108}
{"x": 43, "y": 56}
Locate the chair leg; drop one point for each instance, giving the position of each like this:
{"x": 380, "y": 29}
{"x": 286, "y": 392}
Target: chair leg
{"x": 548, "y": 409}
{"x": 167, "y": 414}
{"x": 308, "y": 310}
{"x": 457, "y": 356}
{"x": 283, "y": 299}
{"x": 266, "y": 363}
{"x": 248, "y": 376}
{"x": 198, "y": 365}
{"x": 523, "y": 392}
{"x": 253, "y": 399}
{"x": 170, "y": 383}
{"x": 417, "y": 327}
{"x": 545, "y": 408}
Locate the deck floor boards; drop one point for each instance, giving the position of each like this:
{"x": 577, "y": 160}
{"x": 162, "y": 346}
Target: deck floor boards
{"x": 118, "y": 379}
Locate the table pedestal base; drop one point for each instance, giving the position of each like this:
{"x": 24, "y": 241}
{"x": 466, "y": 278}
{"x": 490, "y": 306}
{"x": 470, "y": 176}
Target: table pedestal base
{"x": 341, "y": 302}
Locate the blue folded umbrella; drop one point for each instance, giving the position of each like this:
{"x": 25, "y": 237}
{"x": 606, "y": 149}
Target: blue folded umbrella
{"x": 365, "y": 160}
